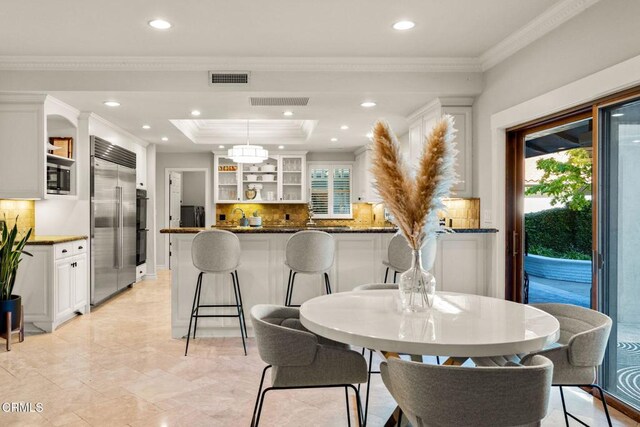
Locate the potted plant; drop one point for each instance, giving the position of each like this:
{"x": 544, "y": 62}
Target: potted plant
{"x": 11, "y": 252}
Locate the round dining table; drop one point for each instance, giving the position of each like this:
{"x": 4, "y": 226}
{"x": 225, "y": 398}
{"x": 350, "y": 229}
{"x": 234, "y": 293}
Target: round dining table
{"x": 457, "y": 325}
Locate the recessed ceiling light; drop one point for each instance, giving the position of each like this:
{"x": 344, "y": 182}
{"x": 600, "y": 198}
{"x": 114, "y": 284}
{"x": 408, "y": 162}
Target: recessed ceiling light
{"x": 288, "y": 113}
{"x": 281, "y": 147}
{"x": 368, "y": 104}
{"x": 617, "y": 115}
{"x": 334, "y": 139}
{"x": 636, "y": 140}
{"x": 160, "y": 24}
{"x": 344, "y": 127}
{"x": 404, "y": 25}
{"x": 111, "y": 103}
{"x": 146, "y": 127}
{"x": 220, "y": 146}
{"x": 370, "y": 135}
{"x": 164, "y": 138}
{"x": 195, "y": 113}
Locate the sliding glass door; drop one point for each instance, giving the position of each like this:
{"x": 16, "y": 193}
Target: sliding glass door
{"x": 619, "y": 247}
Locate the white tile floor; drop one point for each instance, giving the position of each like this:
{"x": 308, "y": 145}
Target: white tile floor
{"x": 118, "y": 366}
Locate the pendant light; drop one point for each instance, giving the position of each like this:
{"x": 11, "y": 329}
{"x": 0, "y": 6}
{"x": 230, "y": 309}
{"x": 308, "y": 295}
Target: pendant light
{"x": 247, "y": 153}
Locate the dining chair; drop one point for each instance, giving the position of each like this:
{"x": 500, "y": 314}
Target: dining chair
{"x": 399, "y": 257}
{"x": 299, "y": 359}
{"x": 437, "y": 395}
{"x": 216, "y": 252}
{"x": 584, "y": 334}
{"x": 309, "y": 252}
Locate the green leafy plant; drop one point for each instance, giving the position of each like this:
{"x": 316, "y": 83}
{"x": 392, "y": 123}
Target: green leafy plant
{"x": 559, "y": 233}
{"x": 567, "y": 182}
{"x": 11, "y": 252}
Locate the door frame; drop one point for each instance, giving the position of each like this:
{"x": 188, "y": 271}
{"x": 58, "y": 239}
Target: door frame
{"x": 514, "y": 195}
{"x": 207, "y": 197}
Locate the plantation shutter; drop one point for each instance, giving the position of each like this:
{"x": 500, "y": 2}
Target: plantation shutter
{"x": 342, "y": 191}
{"x": 330, "y": 190}
{"x": 320, "y": 190}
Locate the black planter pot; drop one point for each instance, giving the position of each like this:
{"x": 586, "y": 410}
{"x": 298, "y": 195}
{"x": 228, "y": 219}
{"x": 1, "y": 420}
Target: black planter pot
{"x": 14, "y": 305}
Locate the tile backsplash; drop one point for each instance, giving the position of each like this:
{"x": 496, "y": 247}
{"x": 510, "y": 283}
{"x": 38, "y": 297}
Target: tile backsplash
{"x": 24, "y": 210}
{"x": 462, "y": 213}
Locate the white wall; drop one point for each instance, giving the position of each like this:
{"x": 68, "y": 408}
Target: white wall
{"x": 174, "y": 160}
{"x": 193, "y": 188}
{"x": 151, "y": 211}
{"x": 601, "y": 37}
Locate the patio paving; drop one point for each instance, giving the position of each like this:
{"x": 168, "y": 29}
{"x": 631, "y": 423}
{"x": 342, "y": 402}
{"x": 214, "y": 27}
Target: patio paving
{"x": 543, "y": 290}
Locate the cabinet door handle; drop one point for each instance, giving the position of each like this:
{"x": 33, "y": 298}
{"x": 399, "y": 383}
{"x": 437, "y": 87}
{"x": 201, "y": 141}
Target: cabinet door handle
{"x": 64, "y": 251}
{"x": 80, "y": 247}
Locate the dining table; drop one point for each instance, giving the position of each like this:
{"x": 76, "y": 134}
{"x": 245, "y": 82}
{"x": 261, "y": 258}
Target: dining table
{"x": 457, "y": 326}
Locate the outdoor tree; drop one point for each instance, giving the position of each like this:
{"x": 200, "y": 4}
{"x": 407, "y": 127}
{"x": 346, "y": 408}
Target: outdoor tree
{"x": 566, "y": 182}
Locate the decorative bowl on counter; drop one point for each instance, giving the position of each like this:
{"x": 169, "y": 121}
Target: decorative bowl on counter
{"x": 255, "y": 221}
{"x": 268, "y": 168}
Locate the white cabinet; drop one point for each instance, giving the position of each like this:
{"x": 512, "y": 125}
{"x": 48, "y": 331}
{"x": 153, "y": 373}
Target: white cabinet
{"x": 282, "y": 181}
{"x": 462, "y": 262}
{"x": 141, "y": 166}
{"x": 364, "y": 190}
{"x": 422, "y": 121}
{"x": 26, "y": 123}
{"x": 54, "y": 283}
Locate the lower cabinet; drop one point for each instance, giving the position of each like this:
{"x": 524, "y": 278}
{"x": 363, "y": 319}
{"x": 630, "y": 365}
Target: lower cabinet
{"x": 53, "y": 283}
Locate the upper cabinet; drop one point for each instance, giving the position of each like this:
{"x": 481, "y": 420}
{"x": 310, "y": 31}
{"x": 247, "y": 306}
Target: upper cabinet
{"x": 364, "y": 190}
{"x": 422, "y": 121}
{"x": 37, "y": 137}
{"x": 279, "y": 179}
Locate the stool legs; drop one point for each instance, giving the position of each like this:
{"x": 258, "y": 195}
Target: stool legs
{"x": 386, "y": 274}
{"x": 292, "y": 277}
{"x": 195, "y": 310}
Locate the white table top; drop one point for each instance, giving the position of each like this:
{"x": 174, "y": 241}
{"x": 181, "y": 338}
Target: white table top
{"x": 458, "y": 325}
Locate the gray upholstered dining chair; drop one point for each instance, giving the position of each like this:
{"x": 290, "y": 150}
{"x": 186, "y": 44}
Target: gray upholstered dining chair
{"x": 584, "y": 334}
{"x": 309, "y": 252}
{"x": 299, "y": 359}
{"x": 436, "y": 395}
{"x": 216, "y": 252}
{"x": 398, "y": 257}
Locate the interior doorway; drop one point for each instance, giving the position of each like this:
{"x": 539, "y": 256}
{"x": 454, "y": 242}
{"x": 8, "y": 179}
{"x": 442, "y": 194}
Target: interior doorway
{"x": 187, "y": 201}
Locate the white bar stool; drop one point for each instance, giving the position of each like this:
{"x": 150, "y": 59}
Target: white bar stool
{"x": 309, "y": 252}
{"x": 399, "y": 257}
{"x": 216, "y": 252}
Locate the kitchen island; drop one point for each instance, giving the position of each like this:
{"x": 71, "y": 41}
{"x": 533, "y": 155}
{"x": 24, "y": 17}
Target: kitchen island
{"x": 461, "y": 266}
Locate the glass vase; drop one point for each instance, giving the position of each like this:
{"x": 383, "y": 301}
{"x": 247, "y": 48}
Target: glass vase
{"x": 417, "y": 285}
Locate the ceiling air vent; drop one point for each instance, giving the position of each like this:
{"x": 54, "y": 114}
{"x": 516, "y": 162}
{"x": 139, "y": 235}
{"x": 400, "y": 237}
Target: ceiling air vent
{"x": 228, "y": 78}
{"x": 299, "y": 101}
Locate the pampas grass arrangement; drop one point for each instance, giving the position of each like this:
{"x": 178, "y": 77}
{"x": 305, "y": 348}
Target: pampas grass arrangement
{"x": 415, "y": 203}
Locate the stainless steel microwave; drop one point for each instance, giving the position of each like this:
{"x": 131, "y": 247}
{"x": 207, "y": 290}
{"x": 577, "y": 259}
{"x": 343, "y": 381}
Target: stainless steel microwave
{"x": 58, "y": 179}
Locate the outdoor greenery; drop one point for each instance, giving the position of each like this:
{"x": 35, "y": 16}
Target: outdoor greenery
{"x": 559, "y": 233}
{"x": 11, "y": 251}
{"x": 567, "y": 182}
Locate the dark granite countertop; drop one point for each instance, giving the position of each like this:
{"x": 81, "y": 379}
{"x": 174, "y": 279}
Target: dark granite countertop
{"x": 53, "y": 240}
{"x": 294, "y": 229}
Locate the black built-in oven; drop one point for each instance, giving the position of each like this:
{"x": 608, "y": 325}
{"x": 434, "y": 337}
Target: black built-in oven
{"x": 58, "y": 179}
{"x": 141, "y": 226}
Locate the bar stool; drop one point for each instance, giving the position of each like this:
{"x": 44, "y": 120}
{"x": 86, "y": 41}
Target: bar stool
{"x": 216, "y": 252}
{"x": 308, "y": 252}
{"x": 398, "y": 256}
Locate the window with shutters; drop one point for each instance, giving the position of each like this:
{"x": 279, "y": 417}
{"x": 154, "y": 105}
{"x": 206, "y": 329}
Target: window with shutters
{"x": 330, "y": 190}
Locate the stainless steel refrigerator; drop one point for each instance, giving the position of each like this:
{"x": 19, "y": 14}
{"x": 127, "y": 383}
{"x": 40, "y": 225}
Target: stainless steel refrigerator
{"x": 113, "y": 219}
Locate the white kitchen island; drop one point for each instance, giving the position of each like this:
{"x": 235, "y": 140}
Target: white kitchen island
{"x": 460, "y": 267}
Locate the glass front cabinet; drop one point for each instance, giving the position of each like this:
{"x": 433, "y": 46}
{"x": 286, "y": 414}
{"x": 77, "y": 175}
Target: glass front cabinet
{"x": 279, "y": 179}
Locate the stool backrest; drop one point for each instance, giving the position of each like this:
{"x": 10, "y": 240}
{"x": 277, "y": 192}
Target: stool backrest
{"x": 215, "y": 251}
{"x": 399, "y": 253}
{"x": 310, "y": 251}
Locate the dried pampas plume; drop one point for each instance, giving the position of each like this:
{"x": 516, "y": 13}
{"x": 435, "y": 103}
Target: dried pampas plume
{"x": 414, "y": 203}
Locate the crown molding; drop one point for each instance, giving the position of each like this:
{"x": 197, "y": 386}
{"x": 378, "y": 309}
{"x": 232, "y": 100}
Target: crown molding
{"x": 535, "y": 29}
{"x": 291, "y": 64}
